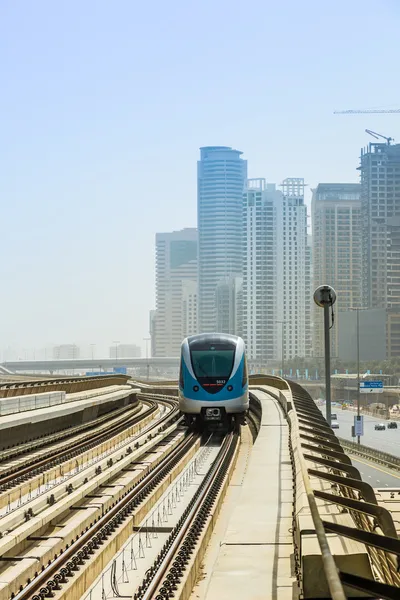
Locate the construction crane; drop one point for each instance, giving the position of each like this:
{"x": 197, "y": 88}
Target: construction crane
{"x": 379, "y": 135}
{"x": 368, "y": 111}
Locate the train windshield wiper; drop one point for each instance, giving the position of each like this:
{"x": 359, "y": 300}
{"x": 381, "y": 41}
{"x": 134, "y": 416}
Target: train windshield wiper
{"x": 198, "y": 365}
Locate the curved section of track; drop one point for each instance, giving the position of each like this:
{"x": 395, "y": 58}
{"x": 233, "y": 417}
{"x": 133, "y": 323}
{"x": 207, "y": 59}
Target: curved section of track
{"x": 34, "y": 466}
{"x": 52, "y": 438}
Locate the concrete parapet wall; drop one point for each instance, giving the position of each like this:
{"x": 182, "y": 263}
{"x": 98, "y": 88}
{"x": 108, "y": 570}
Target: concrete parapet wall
{"x": 72, "y": 385}
{"x": 349, "y": 555}
{"x": 78, "y": 408}
{"x": 17, "y": 404}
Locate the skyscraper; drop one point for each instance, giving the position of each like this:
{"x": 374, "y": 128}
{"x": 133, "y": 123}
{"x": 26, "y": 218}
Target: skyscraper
{"x": 380, "y": 202}
{"x": 380, "y": 207}
{"x": 221, "y": 176}
{"x": 176, "y": 282}
{"x": 261, "y": 202}
{"x": 336, "y": 224}
{"x": 293, "y": 277}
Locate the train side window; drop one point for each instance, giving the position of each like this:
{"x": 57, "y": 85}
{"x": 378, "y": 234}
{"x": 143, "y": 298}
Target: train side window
{"x": 181, "y": 376}
{"x": 245, "y": 375}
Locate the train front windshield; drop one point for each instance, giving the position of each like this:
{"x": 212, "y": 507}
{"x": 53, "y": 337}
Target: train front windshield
{"x": 213, "y": 363}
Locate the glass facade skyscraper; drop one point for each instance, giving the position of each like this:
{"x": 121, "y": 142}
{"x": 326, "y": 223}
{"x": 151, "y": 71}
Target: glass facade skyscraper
{"x": 336, "y": 223}
{"x": 221, "y": 177}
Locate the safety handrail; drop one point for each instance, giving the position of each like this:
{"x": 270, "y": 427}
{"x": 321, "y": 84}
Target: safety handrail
{"x": 331, "y": 571}
{"x": 352, "y": 494}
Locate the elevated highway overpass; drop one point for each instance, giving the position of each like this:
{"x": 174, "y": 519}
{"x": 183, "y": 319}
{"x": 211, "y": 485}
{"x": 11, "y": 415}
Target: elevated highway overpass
{"x": 81, "y": 364}
{"x": 99, "y": 364}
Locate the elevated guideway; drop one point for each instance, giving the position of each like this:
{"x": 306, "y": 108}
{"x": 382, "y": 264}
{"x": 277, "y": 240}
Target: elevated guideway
{"x": 301, "y": 519}
{"x": 303, "y": 522}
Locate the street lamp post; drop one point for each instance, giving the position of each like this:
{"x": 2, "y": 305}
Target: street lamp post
{"x": 358, "y": 370}
{"x": 116, "y": 350}
{"x": 92, "y": 352}
{"x": 358, "y": 365}
{"x": 283, "y": 323}
{"x": 147, "y": 356}
{"x": 325, "y": 296}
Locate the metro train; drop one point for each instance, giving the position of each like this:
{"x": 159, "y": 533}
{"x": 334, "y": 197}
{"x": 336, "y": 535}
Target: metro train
{"x": 213, "y": 380}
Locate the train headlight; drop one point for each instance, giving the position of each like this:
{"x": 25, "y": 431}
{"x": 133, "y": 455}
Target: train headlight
{"x": 229, "y": 388}
{"x": 195, "y": 388}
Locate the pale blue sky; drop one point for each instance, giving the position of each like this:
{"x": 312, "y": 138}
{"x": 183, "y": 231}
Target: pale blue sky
{"x": 104, "y": 106}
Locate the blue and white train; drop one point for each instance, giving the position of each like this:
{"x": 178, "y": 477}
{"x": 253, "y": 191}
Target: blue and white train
{"x": 213, "y": 379}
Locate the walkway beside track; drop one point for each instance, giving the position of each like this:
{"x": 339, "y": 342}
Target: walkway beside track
{"x": 254, "y": 559}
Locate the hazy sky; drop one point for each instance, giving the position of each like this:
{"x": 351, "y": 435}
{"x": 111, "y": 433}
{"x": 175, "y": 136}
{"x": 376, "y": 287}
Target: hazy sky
{"x": 104, "y": 105}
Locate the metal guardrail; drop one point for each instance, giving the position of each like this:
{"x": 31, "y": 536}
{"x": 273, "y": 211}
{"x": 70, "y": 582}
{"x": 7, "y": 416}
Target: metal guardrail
{"x": 321, "y": 455}
{"x": 331, "y": 572}
{"x": 377, "y": 456}
{"x": 373, "y": 524}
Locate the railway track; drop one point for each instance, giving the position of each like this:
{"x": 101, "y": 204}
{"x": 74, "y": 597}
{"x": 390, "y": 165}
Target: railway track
{"x": 64, "y": 567}
{"x": 71, "y": 434}
{"x": 155, "y": 462}
{"x": 148, "y": 439}
{"x": 22, "y": 498}
{"x": 178, "y": 555}
{"x": 13, "y": 475}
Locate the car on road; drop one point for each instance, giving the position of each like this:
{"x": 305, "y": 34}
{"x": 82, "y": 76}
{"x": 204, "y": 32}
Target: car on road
{"x": 333, "y": 417}
{"x": 392, "y": 425}
{"x": 380, "y": 426}
{"x": 335, "y": 424}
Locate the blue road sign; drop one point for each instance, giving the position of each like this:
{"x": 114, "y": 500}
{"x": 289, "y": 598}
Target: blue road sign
{"x": 374, "y": 387}
{"x": 120, "y": 370}
{"x": 358, "y": 425}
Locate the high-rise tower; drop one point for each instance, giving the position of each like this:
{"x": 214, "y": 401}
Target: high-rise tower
{"x": 293, "y": 271}
{"x": 380, "y": 208}
{"x": 221, "y": 176}
{"x": 380, "y": 205}
{"x": 261, "y": 203}
{"x": 336, "y": 224}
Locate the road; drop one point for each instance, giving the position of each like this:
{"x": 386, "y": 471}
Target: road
{"x": 388, "y": 441}
{"x": 376, "y": 475}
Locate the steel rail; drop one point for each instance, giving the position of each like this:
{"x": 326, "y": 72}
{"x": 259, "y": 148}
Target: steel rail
{"x": 175, "y": 543}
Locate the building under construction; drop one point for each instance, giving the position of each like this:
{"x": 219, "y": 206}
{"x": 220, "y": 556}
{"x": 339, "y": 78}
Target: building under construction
{"x": 380, "y": 208}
